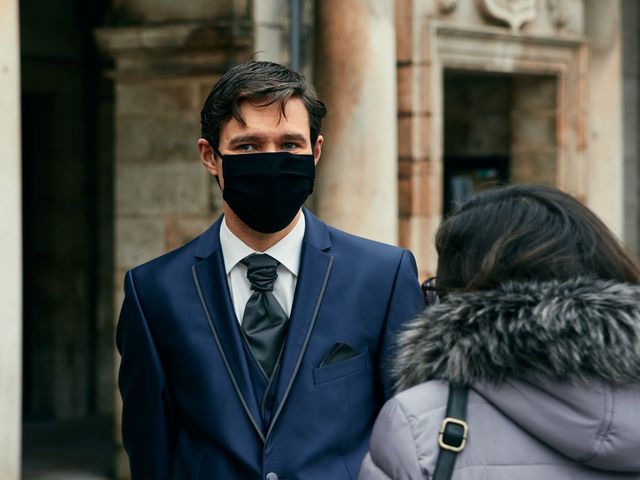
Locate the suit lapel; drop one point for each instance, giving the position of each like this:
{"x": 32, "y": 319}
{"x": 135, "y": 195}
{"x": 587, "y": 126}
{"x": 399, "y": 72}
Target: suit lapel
{"x": 211, "y": 282}
{"x": 315, "y": 267}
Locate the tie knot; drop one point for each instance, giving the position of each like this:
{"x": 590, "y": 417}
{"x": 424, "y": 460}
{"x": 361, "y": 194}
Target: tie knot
{"x": 261, "y": 271}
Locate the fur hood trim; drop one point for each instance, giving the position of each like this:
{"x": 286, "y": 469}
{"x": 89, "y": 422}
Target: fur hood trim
{"x": 584, "y": 327}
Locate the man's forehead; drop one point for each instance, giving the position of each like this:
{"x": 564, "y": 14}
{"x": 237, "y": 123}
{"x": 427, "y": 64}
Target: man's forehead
{"x": 256, "y": 114}
{"x": 267, "y": 107}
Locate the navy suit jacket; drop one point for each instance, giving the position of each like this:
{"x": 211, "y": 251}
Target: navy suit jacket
{"x": 189, "y": 409}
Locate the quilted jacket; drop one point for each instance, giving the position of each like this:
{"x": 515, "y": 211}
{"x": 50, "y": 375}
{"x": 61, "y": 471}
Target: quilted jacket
{"x": 554, "y": 371}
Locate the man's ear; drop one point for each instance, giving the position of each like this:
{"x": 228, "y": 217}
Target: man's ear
{"x": 208, "y": 157}
{"x": 317, "y": 149}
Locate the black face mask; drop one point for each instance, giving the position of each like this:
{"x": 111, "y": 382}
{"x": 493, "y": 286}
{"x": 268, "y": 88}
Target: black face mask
{"x": 266, "y": 190}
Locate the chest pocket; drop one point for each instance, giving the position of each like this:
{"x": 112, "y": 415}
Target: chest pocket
{"x": 342, "y": 369}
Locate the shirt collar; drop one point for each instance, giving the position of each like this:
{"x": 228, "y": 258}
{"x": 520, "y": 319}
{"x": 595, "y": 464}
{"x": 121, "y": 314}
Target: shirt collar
{"x": 287, "y": 251}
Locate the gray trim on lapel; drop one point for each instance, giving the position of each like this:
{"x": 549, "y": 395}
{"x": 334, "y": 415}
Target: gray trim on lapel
{"x": 303, "y": 349}
{"x": 224, "y": 357}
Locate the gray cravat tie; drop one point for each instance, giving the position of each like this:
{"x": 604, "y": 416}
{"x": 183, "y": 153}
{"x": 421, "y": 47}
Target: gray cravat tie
{"x": 264, "y": 322}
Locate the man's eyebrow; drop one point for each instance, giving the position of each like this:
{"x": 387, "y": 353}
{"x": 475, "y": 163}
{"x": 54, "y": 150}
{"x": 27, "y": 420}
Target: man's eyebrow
{"x": 293, "y": 136}
{"x": 245, "y": 138}
{"x": 257, "y": 138}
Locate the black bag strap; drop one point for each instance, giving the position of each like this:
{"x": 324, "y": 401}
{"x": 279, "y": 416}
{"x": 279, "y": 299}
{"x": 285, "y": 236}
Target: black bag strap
{"x": 453, "y": 432}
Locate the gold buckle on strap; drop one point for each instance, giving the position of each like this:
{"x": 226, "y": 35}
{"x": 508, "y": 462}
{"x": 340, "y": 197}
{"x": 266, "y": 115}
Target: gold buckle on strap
{"x": 443, "y": 426}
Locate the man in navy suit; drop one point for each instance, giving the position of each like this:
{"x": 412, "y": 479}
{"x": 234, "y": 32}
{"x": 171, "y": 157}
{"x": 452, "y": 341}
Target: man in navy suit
{"x": 259, "y": 350}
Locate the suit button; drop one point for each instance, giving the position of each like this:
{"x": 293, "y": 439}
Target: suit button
{"x": 271, "y": 476}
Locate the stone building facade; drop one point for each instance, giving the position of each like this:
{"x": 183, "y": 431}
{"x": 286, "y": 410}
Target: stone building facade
{"x": 428, "y": 100}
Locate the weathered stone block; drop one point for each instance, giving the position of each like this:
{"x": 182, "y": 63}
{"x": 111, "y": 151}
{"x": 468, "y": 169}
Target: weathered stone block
{"x": 414, "y": 192}
{"x": 405, "y": 88}
{"x": 168, "y": 10}
{"x": 534, "y": 168}
{"x": 404, "y": 30}
{"x": 527, "y": 129}
{"x": 535, "y": 93}
{"x": 156, "y": 98}
{"x": 175, "y": 188}
{"x": 405, "y": 196}
{"x": 138, "y": 240}
{"x": 133, "y": 138}
{"x": 422, "y": 144}
{"x": 157, "y": 138}
{"x": 404, "y": 167}
{"x": 176, "y": 137}
{"x": 403, "y": 231}
{"x": 215, "y": 197}
{"x": 405, "y": 136}
{"x": 421, "y": 199}
{"x": 182, "y": 230}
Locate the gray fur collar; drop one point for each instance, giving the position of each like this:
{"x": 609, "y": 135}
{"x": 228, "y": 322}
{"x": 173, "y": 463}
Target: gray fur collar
{"x": 583, "y": 327}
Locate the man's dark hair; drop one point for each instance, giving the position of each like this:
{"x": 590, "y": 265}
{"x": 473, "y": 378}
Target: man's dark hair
{"x": 261, "y": 83}
{"x": 526, "y": 232}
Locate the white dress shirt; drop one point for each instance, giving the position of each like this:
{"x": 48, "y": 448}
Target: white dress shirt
{"x": 286, "y": 251}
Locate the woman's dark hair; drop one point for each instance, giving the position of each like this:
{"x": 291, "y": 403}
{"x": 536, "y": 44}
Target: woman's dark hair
{"x": 262, "y": 83}
{"x": 526, "y": 232}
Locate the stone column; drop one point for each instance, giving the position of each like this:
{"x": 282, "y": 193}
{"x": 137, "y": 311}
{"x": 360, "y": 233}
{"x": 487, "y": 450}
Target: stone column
{"x": 357, "y": 185}
{"x": 270, "y": 19}
{"x": 10, "y": 244}
{"x": 605, "y": 167}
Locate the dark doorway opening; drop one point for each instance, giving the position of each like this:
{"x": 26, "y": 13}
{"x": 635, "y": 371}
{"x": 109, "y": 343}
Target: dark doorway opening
{"x": 498, "y": 129}
{"x": 67, "y": 104}
{"x": 477, "y": 133}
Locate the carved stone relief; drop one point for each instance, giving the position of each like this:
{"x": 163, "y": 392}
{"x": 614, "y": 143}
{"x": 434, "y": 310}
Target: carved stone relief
{"x": 559, "y": 12}
{"x": 514, "y": 12}
{"x": 447, "y": 6}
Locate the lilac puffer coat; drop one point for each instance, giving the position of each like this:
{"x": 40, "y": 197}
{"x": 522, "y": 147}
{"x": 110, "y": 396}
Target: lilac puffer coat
{"x": 554, "y": 370}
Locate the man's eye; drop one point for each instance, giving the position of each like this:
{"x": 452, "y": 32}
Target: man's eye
{"x": 289, "y": 146}
{"x": 245, "y": 147}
